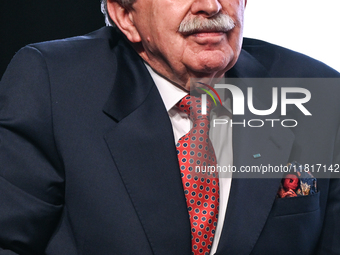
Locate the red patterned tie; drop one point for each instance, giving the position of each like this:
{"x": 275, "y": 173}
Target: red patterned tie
{"x": 201, "y": 189}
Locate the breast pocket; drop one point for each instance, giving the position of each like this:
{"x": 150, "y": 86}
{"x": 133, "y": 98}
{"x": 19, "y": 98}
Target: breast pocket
{"x": 296, "y": 205}
{"x": 293, "y": 227}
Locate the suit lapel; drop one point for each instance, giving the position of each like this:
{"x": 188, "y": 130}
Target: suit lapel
{"x": 250, "y": 200}
{"x": 143, "y": 149}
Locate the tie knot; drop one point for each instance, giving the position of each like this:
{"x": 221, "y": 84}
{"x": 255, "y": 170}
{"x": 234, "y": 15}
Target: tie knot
{"x": 192, "y": 106}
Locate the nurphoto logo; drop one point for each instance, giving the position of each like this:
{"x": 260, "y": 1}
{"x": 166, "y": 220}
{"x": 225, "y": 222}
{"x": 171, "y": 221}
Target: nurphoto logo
{"x": 278, "y": 96}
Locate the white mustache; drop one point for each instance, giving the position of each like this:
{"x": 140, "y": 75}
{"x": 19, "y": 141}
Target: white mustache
{"x": 220, "y": 22}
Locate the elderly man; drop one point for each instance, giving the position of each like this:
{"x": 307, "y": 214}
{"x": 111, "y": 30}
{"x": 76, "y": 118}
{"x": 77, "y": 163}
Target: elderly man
{"x": 90, "y": 129}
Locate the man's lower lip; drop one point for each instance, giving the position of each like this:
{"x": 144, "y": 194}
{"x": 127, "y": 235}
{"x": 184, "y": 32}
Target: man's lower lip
{"x": 208, "y": 34}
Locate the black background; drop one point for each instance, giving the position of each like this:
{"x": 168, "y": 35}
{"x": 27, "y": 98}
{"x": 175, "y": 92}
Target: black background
{"x": 28, "y": 21}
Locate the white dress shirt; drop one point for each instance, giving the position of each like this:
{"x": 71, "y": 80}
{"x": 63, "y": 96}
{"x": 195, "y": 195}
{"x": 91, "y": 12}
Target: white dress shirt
{"x": 221, "y": 137}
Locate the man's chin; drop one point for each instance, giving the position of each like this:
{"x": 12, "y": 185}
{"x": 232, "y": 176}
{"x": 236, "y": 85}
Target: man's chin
{"x": 209, "y": 71}
{"x": 209, "y": 62}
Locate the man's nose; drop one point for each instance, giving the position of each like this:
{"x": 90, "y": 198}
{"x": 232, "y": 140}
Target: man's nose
{"x": 207, "y": 8}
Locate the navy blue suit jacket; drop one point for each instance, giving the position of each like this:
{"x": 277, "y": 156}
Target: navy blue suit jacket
{"x": 81, "y": 173}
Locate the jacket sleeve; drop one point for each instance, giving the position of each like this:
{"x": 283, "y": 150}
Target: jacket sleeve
{"x": 7, "y": 252}
{"x": 330, "y": 237}
{"x": 31, "y": 172}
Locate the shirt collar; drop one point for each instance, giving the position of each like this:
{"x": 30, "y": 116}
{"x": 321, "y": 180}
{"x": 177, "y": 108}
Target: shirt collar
{"x": 170, "y": 93}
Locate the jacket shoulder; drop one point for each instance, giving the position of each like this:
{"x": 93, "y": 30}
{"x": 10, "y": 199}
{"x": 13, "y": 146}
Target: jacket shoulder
{"x": 282, "y": 62}
{"x": 77, "y": 58}
{"x": 100, "y": 40}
